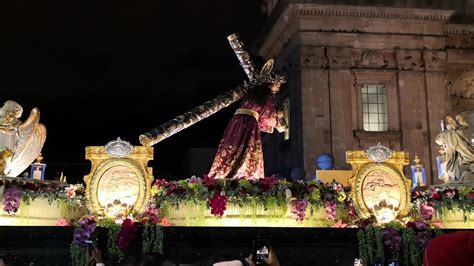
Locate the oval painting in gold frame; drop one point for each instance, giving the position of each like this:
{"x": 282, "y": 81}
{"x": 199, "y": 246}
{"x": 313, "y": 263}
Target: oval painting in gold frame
{"x": 379, "y": 189}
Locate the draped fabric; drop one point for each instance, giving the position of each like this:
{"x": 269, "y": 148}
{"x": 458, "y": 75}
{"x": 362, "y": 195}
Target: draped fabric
{"x": 458, "y": 149}
{"x": 240, "y": 152}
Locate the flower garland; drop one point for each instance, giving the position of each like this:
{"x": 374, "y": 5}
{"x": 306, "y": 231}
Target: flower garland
{"x": 436, "y": 201}
{"x": 120, "y": 237}
{"x": 24, "y": 190}
{"x": 152, "y": 236}
{"x": 274, "y": 194}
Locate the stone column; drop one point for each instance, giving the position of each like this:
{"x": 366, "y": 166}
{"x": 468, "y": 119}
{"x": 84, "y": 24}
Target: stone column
{"x": 341, "y": 83}
{"x": 316, "y": 120}
{"x": 413, "y": 107}
{"x": 437, "y": 95}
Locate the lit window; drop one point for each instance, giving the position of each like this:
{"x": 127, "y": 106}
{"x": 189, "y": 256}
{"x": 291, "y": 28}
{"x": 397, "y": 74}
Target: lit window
{"x": 374, "y": 108}
{"x": 286, "y": 110}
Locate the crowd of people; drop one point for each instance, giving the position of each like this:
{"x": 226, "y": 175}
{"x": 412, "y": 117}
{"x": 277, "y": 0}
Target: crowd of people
{"x": 94, "y": 257}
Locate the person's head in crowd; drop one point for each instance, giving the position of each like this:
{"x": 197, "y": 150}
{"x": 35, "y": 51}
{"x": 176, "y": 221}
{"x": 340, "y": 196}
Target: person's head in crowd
{"x": 455, "y": 248}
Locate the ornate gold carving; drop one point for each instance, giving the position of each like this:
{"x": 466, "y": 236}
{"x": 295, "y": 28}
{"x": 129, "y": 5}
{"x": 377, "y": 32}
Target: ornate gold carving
{"x": 5, "y": 156}
{"x": 410, "y": 60}
{"x": 127, "y": 179}
{"x": 379, "y": 189}
{"x": 435, "y": 60}
{"x": 313, "y": 57}
{"x": 340, "y": 57}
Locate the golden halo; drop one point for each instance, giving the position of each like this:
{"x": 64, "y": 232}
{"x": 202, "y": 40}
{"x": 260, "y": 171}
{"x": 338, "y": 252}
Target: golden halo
{"x": 267, "y": 68}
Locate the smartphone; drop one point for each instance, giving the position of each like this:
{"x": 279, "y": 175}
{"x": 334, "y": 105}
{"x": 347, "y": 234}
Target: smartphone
{"x": 90, "y": 244}
{"x": 261, "y": 250}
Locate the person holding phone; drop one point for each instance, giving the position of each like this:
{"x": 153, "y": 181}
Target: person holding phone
{"x": 93, "y": 254}
{"x": 263, "y": 254}
{"x": 272, "y": 259}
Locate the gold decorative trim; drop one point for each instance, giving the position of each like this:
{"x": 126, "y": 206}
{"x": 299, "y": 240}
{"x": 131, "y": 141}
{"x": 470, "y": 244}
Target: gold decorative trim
{"x": 243, "y": 111}
{"x": 363, "y": 166}
{"x": 101, "y": 162}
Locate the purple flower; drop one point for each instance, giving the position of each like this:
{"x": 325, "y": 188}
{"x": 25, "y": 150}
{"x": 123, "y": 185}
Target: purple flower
{"x": 426, "y": 211}
{"x": 420, "y": 225}
{"x": 11, "y": 200}
{"x": 330, "y": 207}
{"x": 83, "y": 231}
{"x": 126, "y": 235}
{"x": 194, "y": 180}
{"x": 351, "y": 209}
{"x": 422, "y": 239}
{"x": 391, "y": 239}
{"x": 218, "y": 203}
{"x": 298, "y": 207}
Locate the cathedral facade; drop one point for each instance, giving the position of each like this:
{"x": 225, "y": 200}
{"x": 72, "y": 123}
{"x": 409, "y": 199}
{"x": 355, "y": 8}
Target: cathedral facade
{"x": 364, "y": 72}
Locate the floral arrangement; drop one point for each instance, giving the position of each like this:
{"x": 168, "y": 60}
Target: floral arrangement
{"x": 121, "y": 234}
{"x": 24, "y": 191}
{"x": 274, "y": 194}
{"x": 11, "y": 200}
{"x": 395, "y": 241}
{"x": 434, "y": 202}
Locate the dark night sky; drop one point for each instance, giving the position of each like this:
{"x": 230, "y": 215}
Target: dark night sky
{"x": 102, "y": 70}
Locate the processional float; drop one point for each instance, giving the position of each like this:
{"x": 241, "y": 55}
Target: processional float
{"x": 120, "y": 181}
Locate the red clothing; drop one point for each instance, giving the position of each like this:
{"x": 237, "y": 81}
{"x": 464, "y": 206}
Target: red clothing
{"x": 451, "y": 249}
{"x": 240, "y": 152}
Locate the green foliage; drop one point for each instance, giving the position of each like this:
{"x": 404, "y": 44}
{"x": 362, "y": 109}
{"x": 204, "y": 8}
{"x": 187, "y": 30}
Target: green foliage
{"x": 372, "y": 245}
{"x": 113, "y": 250}
{"x": 413, "y": 252}
{"x": 78, "y": 255}
{"x": 378, "y": 243}
{"x": 363, "y": 249}
{"x": 152, "y": 237}
{"x": 369, "y": 239}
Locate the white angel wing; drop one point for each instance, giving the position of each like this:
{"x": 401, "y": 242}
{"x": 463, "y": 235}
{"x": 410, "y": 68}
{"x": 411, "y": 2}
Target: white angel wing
{"x": 31, "y": 141}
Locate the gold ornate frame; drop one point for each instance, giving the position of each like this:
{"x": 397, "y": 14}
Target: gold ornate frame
{"x": 101, "y": 161}
{"x": 363, "y": 166}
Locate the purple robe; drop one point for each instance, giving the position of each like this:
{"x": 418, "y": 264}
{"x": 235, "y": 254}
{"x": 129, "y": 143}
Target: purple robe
{"x": 240, "y": 152}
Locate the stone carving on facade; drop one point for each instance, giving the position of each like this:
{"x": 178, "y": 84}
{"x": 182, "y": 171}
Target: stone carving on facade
{"x": 340, "y": 57}
{"x": 410, "y": 60}
{"x": 313, "y": 57}
{"x": 435, "y": 60}
{"x": 374, "y": 58}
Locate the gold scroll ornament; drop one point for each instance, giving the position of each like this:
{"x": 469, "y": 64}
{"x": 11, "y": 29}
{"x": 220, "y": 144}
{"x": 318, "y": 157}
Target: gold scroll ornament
{"x": 118, "y": 186}
{"x": 379, "y": 188}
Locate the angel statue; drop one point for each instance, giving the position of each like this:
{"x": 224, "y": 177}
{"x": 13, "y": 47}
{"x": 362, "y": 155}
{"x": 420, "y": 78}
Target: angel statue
{"x": 22, "y": 141}
{"x": 456, "y": 149}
